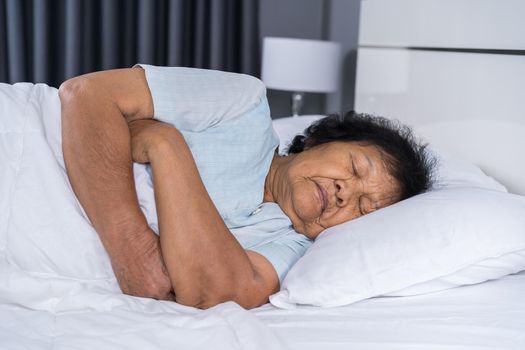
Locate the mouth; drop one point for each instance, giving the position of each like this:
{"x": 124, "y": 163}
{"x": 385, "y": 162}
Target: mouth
{"x": 323, "y": 197}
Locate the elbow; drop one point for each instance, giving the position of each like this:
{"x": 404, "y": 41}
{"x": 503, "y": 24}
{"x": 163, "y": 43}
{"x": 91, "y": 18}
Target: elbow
{"x": 251, "y": 301}
{"x": 245, "y": 300}
{"x": 202, "y": 301}
{"x": 72, "y": 88}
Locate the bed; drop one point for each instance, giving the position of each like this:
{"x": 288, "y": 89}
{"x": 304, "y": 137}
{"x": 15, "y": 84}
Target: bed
{"x": 49, "y": 301}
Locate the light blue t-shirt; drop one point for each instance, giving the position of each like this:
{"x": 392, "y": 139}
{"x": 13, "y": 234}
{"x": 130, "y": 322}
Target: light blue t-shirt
{"x": 225, "y": 120}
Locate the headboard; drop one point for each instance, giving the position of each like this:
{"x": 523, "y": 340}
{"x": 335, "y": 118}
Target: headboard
{"x": 461, "y": 88}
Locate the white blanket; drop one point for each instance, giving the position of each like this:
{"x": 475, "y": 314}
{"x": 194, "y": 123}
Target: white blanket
{"x": 57, "y": 288}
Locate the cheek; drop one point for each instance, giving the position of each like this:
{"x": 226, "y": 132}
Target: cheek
{"x": 304, "y": 203}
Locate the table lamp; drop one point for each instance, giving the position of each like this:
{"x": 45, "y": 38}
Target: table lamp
{"x": 300, "y": 65}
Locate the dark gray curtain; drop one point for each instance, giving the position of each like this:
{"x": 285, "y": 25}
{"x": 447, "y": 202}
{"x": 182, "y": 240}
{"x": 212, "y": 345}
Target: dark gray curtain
{"x": 50, "y": 41}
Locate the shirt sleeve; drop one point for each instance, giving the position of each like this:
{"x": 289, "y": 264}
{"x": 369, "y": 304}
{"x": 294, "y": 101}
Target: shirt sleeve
{"x": 284, "y": 252}
{"x": 194, "y": 99}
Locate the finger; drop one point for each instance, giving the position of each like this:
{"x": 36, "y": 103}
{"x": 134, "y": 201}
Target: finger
{"x": 170, "y": 296}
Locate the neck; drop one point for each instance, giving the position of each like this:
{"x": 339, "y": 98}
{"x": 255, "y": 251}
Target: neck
{"x": 271, "y": 184}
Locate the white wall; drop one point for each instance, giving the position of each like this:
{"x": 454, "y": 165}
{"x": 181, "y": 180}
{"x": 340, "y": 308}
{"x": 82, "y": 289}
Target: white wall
{"x": 343, "y": 27}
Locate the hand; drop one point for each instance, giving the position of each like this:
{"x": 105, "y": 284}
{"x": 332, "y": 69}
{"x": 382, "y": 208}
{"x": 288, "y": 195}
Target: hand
{"x": 146, "y": 134}
{"x": 137, "y": 268}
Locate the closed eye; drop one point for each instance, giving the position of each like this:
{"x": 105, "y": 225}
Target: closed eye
{"x": 360, "y": 204}
{"x": 354, "y": 168}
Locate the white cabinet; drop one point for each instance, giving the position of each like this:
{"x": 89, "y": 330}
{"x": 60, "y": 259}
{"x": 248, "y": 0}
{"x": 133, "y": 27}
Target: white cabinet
{"x": 435, "y": 60}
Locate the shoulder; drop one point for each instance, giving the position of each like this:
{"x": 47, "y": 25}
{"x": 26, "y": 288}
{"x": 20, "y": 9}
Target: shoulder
{"x": 207, "y": 79}
{"x": 199, "y": 98}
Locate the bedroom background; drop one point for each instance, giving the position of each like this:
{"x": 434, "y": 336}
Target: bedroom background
{"x": 49, "y": 41}
{"x": 439, "y": 271}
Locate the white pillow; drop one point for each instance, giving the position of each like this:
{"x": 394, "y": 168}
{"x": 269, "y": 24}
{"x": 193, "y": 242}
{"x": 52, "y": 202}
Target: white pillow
{"x": 453, "y": 172}
{"x": 467, "y": 230}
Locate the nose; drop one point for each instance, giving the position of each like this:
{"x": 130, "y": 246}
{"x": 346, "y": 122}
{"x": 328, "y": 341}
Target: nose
{"x": 343, "y": 192}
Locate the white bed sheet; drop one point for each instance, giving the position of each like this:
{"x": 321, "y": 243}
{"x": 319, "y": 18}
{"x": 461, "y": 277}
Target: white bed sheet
{"x": 489, "y": 315}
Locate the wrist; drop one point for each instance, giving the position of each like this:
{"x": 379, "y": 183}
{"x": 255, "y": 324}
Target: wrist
{"x": 121, "y": 238}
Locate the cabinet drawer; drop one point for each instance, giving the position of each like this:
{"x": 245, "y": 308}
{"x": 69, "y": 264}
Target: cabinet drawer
{"x": 426, "y": 86}
{"x": 473, "y": 24}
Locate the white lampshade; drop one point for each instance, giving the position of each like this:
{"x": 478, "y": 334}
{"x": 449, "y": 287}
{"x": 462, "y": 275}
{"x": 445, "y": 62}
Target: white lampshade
{"x": 301, "y": 65}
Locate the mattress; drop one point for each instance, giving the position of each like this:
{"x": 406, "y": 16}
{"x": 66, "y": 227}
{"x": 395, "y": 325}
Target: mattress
{"x": 489, "y": 315}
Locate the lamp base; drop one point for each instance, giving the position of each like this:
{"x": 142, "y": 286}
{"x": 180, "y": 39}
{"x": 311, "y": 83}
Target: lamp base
{"x": 297, "y": 103}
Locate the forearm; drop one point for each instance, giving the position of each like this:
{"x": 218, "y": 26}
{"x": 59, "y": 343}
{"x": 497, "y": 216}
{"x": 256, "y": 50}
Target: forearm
{"x": 206, "y": 264}
{"x": 96, "y": 147}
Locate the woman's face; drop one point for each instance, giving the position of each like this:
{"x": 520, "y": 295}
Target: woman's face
{"x": 335, "y": 182}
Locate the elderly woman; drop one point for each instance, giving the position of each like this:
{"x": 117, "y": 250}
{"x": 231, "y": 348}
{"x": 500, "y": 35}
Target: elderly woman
{"x": 233, "y": 214}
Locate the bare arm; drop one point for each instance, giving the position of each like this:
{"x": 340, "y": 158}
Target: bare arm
{"x": 96, "y": 109}
{"x": 205, "y": 262}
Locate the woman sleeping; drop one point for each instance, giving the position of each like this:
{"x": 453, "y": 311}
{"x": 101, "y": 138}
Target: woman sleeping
{"x": 233, "y": 214}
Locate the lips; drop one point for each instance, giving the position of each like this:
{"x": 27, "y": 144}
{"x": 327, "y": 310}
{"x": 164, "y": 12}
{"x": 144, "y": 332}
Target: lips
{"x": 323, "y": 196}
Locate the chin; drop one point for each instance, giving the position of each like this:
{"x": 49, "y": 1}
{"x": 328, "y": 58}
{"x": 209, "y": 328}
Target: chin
{"x": 307, "y": 233}
{"x": 312, "y": 235}
{"x": 302, "y": 230}
{"x": 310, "y": 231}
{"x": 302, "y": 213}
{"x": 299, "y": 229}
